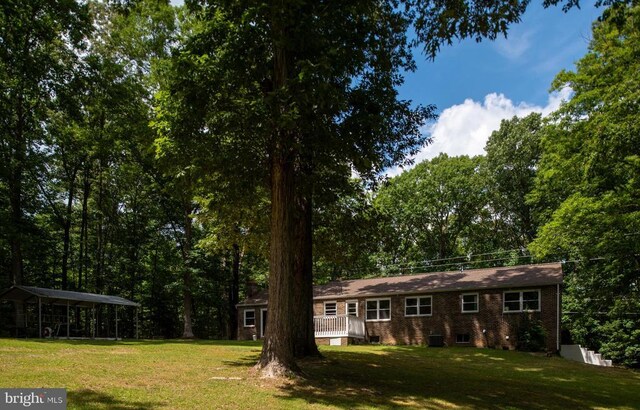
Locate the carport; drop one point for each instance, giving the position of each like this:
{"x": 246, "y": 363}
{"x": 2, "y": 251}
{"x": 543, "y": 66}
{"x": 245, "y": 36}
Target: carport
{"x": 71, "y": 300}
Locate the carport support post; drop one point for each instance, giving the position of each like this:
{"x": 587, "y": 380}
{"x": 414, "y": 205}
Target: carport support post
{"x": 68, "y": 320}
{"x": 39, "y": 318}
{"x": 116, "y": 307}
{"x": 137, "y": 334}
{"x": 94, "y": 325}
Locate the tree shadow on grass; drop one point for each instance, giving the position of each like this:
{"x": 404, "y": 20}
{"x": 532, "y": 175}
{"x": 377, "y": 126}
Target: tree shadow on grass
{"x": 143, "y": 342}
{"x": 246, "y": 362}
{"x": 409, "y": 378}
{"x": 91, "y": 399}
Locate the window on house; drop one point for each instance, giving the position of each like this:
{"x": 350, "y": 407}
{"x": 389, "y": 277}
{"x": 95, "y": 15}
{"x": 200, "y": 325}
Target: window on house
{"x": 463, "y": 338}
{"x": 521, "y": 301}
{"x": 330, "y": 308}
{"x": 470, "y": 303}
{"x": 352, "y": 308}
{"x": 417, "y": 306}
{"x": 531, "y": 300}
{"x": 379, "y": 309}
{"x": 249, "y": 318}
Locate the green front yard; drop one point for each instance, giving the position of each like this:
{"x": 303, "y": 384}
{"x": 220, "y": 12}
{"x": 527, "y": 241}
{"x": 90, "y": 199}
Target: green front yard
{"x": 213, "y": 375}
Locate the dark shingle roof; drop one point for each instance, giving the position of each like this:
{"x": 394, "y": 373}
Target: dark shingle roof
{"x": 472, "y": 279}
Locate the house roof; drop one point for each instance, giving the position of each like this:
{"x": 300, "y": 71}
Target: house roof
{"x": 466, "y": 280}
{"x": 60, "y": 297}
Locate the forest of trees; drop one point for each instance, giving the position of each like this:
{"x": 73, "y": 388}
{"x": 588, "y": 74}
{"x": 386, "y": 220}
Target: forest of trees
{"x": 148, "y": 151}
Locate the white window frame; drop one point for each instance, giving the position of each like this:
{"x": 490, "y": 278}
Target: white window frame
{"x": 329, "y": 303}
{"x": 521, "y": 301}
{"x": 463, "y": 310}
{"x": 377, "y": 319}
{"x": 245, "y": 317}
{"x": 346, "y": 307}
{"x": 418, "y": 304}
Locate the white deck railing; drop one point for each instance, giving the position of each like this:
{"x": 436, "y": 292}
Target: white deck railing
{"x": 338, "y": 326}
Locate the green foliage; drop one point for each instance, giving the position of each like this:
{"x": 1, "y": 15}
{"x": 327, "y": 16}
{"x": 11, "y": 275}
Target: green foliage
{"x": 588, "y": 183}
{"x": 348, "y": 232}
{"x": 513, "y": 152}
{"x": 621, "y": 345}
{"x": 531, "y": 335}
{"x": 433, "y": 210}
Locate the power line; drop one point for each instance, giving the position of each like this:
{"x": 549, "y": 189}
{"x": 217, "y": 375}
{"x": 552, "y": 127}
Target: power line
{"x": 467, "y": 258}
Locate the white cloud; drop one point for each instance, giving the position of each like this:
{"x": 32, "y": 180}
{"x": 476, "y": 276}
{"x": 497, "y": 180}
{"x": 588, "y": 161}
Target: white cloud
{"x": 515, "y": 45}
{"x": 464, "y": 129}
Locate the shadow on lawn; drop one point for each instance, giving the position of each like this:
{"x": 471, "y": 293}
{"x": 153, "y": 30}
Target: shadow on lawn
{"x": 142, "y": 342}
{"x": 409, "y": 377}
{"x": 90, "y": 399}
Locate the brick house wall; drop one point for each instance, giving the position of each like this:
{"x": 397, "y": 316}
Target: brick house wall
{"x": 489, "y": 327}
{"x": 248, "y": 332}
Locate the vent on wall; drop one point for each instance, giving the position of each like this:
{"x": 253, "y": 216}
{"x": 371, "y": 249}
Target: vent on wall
{"x": 463, "y": 338}
{"x": 374, "y": 339}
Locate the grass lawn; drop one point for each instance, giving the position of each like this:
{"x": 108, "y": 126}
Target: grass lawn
{"x": 218, "y": 374}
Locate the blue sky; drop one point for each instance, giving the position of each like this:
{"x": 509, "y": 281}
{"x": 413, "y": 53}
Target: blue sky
{"x": 475, "y": 85}
{"x": 521, "y": 66}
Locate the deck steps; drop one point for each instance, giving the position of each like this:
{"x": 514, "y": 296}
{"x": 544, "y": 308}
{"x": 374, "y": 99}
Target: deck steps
{"x": 583, "y": 355}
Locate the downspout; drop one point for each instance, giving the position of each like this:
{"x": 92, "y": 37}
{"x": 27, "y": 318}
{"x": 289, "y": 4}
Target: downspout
{"x": 558, "y": 318}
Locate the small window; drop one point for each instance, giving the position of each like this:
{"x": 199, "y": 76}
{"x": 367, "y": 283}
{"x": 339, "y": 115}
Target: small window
{"x": 249, "y": 318}
{"x": 521, "y": 301}
{"x": 352, "y": 308}
{"x": 470, "y": 303}
{"x": 330, "y": 308}
{"x": 378, "y": 309}
{"x": 463, "y": 338}
{"x": 417, "y": 306}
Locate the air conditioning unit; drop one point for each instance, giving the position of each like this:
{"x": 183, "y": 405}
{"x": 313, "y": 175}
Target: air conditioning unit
{"x": 436, "y": 341}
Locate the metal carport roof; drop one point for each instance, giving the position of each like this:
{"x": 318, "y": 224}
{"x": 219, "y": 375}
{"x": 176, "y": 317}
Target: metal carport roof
{"x": 27, "y": 294}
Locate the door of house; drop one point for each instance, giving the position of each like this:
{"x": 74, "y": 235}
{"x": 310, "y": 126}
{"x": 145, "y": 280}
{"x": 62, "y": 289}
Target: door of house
{"x": 263, "y": 322}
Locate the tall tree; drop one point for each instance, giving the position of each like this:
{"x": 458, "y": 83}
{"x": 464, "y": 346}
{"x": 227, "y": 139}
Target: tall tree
{"x": 513, "y": 152}
{"x": 280, "y": 108}
{"x": 590, "y": 168}
{"x": 37, "y": 50}
{"x": 292, "y": 90}
{"x": 432, "y": 208}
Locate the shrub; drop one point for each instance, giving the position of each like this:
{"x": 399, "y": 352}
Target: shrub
{"x": 531, "y": 335}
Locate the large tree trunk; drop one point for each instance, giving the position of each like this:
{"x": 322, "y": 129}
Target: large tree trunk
{"x": 15, "y": 236}
{"x": 84, "y": 228}
{"x": 101, "y": 241}
{"x": 16, "y": 169}
{"x": 305, "y": 344}
{"x": 15, "y": 240}
{"x": 187, "y": 297}
{"x": 234, "y": 292}
{"x": 277, "y": 357}
{"x": 288, "y": 324}
{"x": 66, "y": 238}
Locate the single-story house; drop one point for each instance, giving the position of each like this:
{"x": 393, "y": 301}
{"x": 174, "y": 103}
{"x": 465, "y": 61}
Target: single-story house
{"x": 476, "y": 307}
